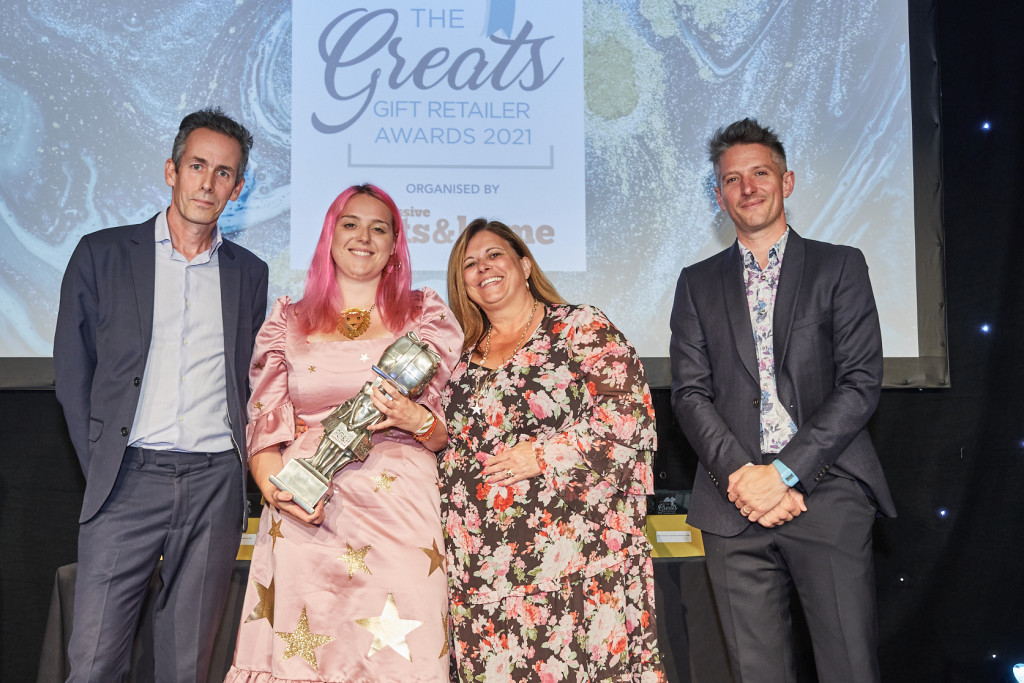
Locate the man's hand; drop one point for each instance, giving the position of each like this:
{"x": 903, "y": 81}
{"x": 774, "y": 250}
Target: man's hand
{"x": 791, "y": 506}
{"x": 756, "y": 489}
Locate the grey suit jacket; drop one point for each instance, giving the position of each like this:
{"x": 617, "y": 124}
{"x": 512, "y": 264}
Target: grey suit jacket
{"x": 828, "y": 367}
{"x": 104, "y": 328}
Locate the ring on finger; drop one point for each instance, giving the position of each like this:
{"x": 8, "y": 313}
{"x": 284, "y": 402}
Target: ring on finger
{"x": 508, "y": 473}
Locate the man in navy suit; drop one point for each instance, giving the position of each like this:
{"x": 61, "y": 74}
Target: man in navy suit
{"x": 152, "y": 350}
{"x": 776, "y": 359}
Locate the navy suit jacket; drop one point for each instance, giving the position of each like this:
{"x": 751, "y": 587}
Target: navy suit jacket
{"x": 104, "y": 328}
{"x": 828, "y": 368}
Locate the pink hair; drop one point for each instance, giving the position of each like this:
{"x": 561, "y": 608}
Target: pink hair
{"x": 321, "y": 302}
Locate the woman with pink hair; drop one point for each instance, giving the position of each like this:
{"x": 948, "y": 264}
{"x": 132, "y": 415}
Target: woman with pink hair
{"x": 356, "y": 589}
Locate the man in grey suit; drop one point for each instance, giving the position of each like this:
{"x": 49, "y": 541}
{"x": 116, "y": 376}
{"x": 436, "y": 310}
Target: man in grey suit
{"x": 776, "y": 359}
{"x": 152, "y": 350}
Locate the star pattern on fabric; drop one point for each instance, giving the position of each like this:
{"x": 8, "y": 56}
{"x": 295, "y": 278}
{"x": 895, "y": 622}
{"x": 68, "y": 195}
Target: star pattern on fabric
{"x": 274, "y": 532}
{"x": 257, "y": 405}
{"x": 383, "y": 481}
{"x": 444, "y": 632}
{"x": 302, "y": 642}
{"x": 258, "y": 365}
{"x": 355, "y": 560}
{"x": 264, "y": 609}
{"x": 389, "y": 630}
{"x": 444, "y": 316}
{"x": 436, "y": 557}
{"x": 312, "y": 368}
{"x": 364, "y": 358}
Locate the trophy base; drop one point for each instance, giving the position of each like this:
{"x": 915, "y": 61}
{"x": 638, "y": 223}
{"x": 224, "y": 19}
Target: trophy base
{"x": 306, "y": 485}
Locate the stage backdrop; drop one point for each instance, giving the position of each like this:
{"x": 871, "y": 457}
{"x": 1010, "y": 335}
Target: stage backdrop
{"x": 581, "y": 124}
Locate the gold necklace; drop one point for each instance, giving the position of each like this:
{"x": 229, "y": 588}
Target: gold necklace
{"x": 354, "y": 321}
{"x": 487, "y": 375}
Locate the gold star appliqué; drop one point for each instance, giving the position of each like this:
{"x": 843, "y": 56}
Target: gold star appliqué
{"x": 258, "y": 365}
{"x": 257, "y": 405}
{"x": 312, "y": 368}
{"x": 383, "y": 481}
{"x": 264, "y": 609}
{"x": 354, "y": 559}
{"x": 274, "y": 532}
{"x": 303, "y": 643}
{"x": 444, "y": 630}
{"x": 444, "y": 316}
{"x": 389, "y": 630}
{"x": 436, "y": 558}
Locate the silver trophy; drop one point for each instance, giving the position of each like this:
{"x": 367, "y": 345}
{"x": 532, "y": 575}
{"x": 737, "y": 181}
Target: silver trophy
{"x": 410, "y": 365}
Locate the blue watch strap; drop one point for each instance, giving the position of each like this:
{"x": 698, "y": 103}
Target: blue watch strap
{"x": 789, "y": 478}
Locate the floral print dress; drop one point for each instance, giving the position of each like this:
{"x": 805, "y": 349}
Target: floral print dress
{"x": 551, "y": 579}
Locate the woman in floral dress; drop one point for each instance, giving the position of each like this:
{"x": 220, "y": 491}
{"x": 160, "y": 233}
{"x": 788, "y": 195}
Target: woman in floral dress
{"x": 544, "y": 482}
{"x": 355, "y": 590}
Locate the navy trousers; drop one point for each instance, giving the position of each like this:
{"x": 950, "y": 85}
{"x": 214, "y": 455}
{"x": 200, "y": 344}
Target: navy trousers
{"x": 183, "y": 506}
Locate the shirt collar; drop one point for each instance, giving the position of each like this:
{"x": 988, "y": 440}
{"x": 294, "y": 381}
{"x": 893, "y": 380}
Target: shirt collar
{"x": 774, "y": 254}
{"x": 162, "y": 232}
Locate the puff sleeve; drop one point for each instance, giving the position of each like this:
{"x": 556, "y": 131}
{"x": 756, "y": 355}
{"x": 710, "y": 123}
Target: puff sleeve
{"x": 438, "y": 328}
{"x": 271, "y": 414}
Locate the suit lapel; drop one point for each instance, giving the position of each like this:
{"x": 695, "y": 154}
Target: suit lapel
{"x": 736, "y": 307}
{"x": 230, "y": 291}
{"x": 786, "y": 295}
{"x": 142, "y": 253}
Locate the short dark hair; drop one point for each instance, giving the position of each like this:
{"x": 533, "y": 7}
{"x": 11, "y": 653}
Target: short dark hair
{"x": 745, "y": 132}
{"x": 216, "y": 120}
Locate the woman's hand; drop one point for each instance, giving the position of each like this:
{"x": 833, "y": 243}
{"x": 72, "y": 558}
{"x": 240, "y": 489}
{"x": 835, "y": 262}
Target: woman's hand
{"x": 398, "y": 410}
{"x": 513, "y": 465}
{"x": 269, "y": 462}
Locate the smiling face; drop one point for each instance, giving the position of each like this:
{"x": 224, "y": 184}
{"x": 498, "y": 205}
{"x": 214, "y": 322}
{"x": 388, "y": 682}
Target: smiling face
{"x": 364, "y": 238}
{"x": 751, "y": 189}
{"x": 493, "y": 273}
{"x": 206, "y": 179}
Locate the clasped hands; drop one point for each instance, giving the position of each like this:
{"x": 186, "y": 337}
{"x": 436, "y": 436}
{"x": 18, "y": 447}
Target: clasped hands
{"x": 761, "y": 496}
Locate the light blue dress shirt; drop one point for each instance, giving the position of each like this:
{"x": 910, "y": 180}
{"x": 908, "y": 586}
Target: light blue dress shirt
{"x": 184, "y": 389}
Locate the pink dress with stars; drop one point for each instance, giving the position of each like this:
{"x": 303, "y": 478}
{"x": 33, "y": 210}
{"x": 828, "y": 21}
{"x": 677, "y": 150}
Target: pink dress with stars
{"x": 363, "y": 596}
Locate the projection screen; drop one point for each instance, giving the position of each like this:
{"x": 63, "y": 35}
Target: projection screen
{"x": 581, "y": 124}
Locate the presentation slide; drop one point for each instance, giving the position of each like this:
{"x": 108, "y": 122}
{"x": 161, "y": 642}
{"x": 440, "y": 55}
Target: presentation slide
{"x": 582, "y": 124}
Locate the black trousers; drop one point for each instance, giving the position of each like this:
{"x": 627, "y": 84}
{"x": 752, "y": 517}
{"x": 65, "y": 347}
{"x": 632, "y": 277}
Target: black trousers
{"x": 825, "y": 556}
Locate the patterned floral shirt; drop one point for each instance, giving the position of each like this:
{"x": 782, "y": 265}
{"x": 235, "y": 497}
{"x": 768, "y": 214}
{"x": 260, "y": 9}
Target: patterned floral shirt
{"x": 777, "y": 427}
{"x": 577, "y": 389}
